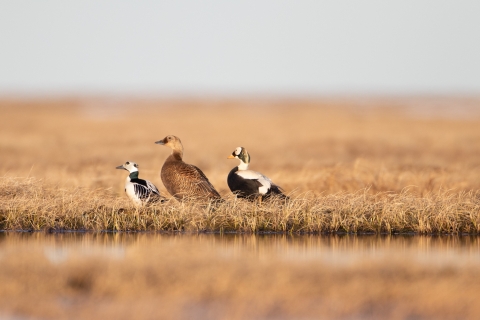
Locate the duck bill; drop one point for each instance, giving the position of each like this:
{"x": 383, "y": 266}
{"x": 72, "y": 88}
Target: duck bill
{"x": 160, "y": 142}
{"x": 230, "y": 157}
{"x": 120, "y": 167}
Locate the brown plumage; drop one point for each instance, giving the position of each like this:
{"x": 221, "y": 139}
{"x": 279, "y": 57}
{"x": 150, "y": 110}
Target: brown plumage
{"x": 182, "y": 179}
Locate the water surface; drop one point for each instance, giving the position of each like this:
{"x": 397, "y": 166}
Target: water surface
{"x": 326, "y": 248}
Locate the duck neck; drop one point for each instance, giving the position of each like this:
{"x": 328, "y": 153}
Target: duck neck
{"x": 133, "y": 175}
{"x": 243, "y": 166}
{"x": 177, "y": 154}
{"x": 177, "y": 150}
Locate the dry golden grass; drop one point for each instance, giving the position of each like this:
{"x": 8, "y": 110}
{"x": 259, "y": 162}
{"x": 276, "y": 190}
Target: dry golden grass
{"x": 359, "y": 165}
{"x": 141, "y": 276}
{"x": 34, "y": 206}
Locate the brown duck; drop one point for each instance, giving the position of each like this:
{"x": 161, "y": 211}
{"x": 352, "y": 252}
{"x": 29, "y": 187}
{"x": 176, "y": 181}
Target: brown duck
{"x": 182, "y": 179}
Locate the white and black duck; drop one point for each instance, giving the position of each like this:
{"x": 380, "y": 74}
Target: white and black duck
{"x": 138, "y": 190}
{"x": 250, "y": 184}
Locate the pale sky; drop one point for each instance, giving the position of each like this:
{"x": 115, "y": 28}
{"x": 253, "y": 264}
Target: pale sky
{"x": 240, "y": 47}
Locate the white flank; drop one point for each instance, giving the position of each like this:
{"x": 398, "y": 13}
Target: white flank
{"x": 130, "y": 191}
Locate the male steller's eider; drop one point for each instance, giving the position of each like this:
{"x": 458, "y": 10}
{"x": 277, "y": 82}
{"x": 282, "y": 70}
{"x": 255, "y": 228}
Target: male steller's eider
{"x": 184, "y": 180}
{"x": 250, "y": 184}
{"x": 138, "y": 190}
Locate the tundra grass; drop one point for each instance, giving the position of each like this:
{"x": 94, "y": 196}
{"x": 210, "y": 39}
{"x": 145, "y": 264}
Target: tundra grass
{"x": 34, "y": 206}
{"x": 358, "y": 165}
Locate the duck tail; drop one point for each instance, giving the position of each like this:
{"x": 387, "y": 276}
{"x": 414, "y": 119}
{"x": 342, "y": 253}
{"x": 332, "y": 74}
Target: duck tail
{"x": 277, "y": 192}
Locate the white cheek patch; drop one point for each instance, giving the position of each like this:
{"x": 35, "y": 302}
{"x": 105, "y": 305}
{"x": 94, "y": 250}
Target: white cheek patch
{"x": 131, "y": 167}
{"x": 238, "y": 150}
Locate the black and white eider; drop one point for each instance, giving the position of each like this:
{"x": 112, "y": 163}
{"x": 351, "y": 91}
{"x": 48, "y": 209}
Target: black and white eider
{"x": 138, "y": 190}
{"x": 250, "y": 184}
{"x": 183, "y": 180}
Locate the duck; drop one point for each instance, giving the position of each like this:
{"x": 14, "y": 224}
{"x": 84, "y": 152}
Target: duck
{"x": 182, "y": 180}
{"x": 140, "y": 191}
{"x": 250, "y": 184}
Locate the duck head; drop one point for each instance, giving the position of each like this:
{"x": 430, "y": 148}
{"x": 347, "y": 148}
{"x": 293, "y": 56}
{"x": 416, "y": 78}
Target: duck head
{"x": 241, "y": 154}
{"x": 129, "y": 166}
{"x": 174, "y": 143}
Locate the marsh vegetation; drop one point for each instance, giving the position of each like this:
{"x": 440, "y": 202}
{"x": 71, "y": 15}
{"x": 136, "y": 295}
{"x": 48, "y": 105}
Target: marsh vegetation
{"x": 349, "y": 167}
{"x": 377, "y": 166}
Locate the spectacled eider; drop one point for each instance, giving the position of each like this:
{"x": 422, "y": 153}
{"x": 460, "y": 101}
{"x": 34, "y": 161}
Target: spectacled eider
{"x": 184, "y": 180}
{"x": 250, "y": 184}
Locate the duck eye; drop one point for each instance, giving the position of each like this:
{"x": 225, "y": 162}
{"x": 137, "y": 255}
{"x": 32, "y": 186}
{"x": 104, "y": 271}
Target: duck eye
{"x": 169, "y": 138}
{"x": 127, "y": 163}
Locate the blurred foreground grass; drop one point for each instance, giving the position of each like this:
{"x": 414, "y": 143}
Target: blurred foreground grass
{"x": 152, "y": 276}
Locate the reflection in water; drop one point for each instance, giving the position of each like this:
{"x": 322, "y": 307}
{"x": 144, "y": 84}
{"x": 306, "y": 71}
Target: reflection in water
{"x": 182, "y": 276}
{"x": 328, "y": 248}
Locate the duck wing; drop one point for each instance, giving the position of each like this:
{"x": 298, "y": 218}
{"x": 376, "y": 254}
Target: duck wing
{"x": 267, "y": 185}
{"x": 182, "y": 179}
{"x": 152, "y": 188}
{"x": 144, "y": 189}
{"x": 265, "y": 182}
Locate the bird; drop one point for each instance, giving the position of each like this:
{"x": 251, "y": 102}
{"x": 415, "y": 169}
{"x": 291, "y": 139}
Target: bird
{"x": 182, "y": 180}
{"x": 138, "y": 190}
{"x": 250, "y": 184}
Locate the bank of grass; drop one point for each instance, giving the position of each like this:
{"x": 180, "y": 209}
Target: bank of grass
{"x": 30, "y": 204}
{"x": 358, "y": 165}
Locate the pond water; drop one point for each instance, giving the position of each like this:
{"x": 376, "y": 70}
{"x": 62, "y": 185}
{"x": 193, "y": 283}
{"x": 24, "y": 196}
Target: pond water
{"x": 328, "y": 248}
{"x": 215, "y": 276}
